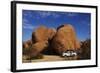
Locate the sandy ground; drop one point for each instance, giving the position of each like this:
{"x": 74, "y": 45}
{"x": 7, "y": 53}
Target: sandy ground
{"x": 47, "y": 58}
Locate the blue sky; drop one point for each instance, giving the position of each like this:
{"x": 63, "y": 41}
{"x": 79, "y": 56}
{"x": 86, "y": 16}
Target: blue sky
{"x": 32, "y": 19}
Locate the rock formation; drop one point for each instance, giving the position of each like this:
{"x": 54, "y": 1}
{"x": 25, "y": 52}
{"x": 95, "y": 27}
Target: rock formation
{"x": 86, "y": 49}
{"x": 40, "y": 38}
{"x": 65, "y": 39}
{"x": 42, "y": 34}
{"x": 26, "y": 46}
{"x": 37, "y": 48}
{"x": 45, "y": 38}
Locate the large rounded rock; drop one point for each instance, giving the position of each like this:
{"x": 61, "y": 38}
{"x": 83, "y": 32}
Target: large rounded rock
{"x": 37, "y": 48}
{"x": 65, "y": 39}
{"x": 40, "y": 38}
{"x": 42, "y": 34}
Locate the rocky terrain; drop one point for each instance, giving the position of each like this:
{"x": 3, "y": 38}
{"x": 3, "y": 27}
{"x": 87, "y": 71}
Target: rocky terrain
{"x": 48, "y": 44}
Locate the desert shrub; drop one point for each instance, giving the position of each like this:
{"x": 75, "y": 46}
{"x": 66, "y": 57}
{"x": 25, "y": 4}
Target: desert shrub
{"x": 86, "y": 49}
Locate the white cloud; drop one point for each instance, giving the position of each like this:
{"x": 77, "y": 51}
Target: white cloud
{"x": 29, "y": 26}
{"x": 84, "y": 22}
{"x": 55, "y": 14}
{"x": 28, "y": 13}
{"x": 46, "y": 14}
{"x": 25, "y": 21}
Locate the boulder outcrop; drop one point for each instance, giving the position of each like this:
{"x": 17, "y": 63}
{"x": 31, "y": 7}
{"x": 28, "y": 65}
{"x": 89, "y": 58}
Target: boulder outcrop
{"x": 65, "y": 39}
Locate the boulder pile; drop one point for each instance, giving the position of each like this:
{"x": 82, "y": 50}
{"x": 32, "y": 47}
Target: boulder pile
{"x": 60, "y": 40}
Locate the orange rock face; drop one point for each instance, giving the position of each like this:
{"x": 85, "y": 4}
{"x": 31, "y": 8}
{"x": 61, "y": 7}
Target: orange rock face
{"x": 65, "y": 39}
{"x": 60, "y": 40}
{"x": 38, "y": 47}
{"x": 40, "y": 38}
{"x": 42, "y": 34}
